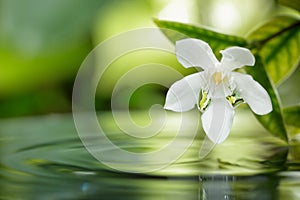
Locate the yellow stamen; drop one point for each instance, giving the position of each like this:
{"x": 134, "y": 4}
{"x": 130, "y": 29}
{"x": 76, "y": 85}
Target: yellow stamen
{"x": 231, "y": 99}
{"x": 217, "y": 77}
{"x": 204, "y": 102}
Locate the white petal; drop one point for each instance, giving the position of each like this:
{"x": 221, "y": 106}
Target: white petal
{"x": 236, "y": 57}
{"x": 253, "y": 93}
{"x": 217, "y": 120}
{"x": 183, "y": 95}
{"x": 195, "y": 53}
{"x": 219, "y": 90}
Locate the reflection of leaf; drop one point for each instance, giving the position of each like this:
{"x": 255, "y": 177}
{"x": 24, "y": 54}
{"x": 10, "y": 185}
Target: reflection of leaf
{"x": 294, "y": 4}
{"x": 273, "y": 121}
{"x": 292, "y": 119}
{"x": 217, "y": 41}
{"x": 278, "y": 43}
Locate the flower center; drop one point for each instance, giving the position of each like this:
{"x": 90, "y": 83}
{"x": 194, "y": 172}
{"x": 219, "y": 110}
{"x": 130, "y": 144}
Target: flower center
{"x": 217, "y": 77}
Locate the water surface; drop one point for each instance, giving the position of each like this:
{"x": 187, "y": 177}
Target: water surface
{"x": 44, "y": 158}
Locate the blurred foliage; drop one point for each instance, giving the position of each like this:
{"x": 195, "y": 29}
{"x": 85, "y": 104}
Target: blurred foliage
{"x": 43, "y": 43}
{"x": 292, "y": 118}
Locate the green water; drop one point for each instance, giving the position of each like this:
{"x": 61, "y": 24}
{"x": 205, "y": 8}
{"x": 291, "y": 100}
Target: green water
{"x": 44, "y": 158}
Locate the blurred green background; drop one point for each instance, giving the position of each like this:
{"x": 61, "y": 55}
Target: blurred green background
{"x": 43, "y": 43}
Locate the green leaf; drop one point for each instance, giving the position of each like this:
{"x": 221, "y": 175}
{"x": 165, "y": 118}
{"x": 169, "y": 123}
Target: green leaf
{"x": 273, "y": 121}
{"x": 292, "y": 119}
{"x": 294, "y": 4}
{"x": 292, "y": 115}
{"x": 278, "y": 43}
{"x": 216, "y": 40}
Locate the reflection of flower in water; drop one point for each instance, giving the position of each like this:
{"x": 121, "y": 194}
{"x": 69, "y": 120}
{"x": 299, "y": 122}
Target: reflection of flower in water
{"x": 221, "y": 89}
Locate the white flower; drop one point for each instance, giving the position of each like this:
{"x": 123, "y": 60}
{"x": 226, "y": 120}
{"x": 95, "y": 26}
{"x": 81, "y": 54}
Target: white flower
{"x": 217, "y": 89}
